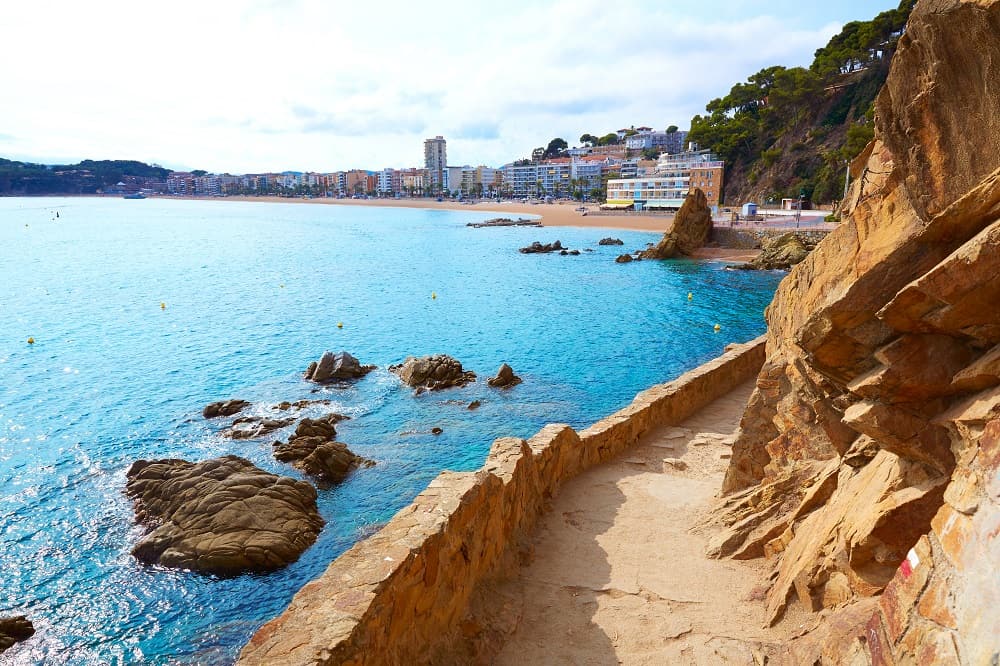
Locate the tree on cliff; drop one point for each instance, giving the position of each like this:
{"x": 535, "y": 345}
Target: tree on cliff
{"x": 790, "y": 129}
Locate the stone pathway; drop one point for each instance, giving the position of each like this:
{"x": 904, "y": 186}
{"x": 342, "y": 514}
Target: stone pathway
{"x": 618, "y": 572}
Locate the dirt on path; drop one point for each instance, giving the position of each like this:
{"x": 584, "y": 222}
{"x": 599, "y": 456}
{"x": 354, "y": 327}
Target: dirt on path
{"x": 618, "y": 573}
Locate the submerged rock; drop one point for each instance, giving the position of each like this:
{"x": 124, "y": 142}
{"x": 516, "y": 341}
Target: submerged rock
{"x": 313, "y": 450}
{"x": 435, "y": 372}
{"x": 220, "y": 516}
{"x": 255, "y": 427}
{"x": 505, "y": 378}
{"x": 334, "y": 367}
{"x": 14, "y": 630}
{"x": 224, "y": 408}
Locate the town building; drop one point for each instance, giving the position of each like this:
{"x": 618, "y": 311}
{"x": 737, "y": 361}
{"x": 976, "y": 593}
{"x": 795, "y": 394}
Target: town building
{"x": 668, "y": 142}
{"x": 672, "y": 179}
{"x": 436, "y": 162}
{"x": 520, "y": 180}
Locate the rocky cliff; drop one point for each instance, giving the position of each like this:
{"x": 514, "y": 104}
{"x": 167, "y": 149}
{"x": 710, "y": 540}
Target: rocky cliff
{"x": 868, "y": 465}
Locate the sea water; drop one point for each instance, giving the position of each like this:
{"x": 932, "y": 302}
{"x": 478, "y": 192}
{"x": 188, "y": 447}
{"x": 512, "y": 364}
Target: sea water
{"x": 144, "y": 311}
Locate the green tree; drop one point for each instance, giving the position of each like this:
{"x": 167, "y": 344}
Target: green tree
{"x": 610, "y": 139}
{"x": 556, "y": 148}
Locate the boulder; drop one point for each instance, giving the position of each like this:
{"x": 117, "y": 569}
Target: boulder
{"x": 692, "y": 226}
{"x": 623, "y": 259}
{"x": 505, "y": 378}
{"x": 224, "y": 408}
{"x": 222, "y": 516}
{"x": 538, "y": 248}
{"x": 610, "y": 241}
{"x": 313, "y": 450}
{"x": 336, "y": 367}
{"x": 433, "y": 372}
{"x": 779, "y": 253}
{"x": 14, "y": 630}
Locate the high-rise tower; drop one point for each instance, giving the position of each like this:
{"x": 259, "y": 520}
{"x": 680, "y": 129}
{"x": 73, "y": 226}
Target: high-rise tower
{"x": 436, "y": 161}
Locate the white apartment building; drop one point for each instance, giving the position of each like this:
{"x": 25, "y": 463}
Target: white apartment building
{"x": 668, "y": 186}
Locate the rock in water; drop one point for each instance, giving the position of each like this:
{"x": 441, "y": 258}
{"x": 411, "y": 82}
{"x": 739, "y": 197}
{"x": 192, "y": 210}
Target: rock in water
{"x": 221, "y": 516}
{"x": 610, "y": 241}
{"x": 538, "y": 248}
{"x": 692, "y": 226}
{"x": 14, "y": 630}
{"x": 335, "y": 367}
{"x": 224, "y": 408}
{"x": 623, "y": 259}
{"x": 505, "y": 378}
{"x": 313, "y": 450}
{"x": 433, "y": 372}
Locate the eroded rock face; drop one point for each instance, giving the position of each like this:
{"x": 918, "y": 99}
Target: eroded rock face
{"x": 505, "y": 378}
{"x": 864, "y": 462}
{"x": 433, "y": 372}
{"x": 313, "y": 450}
{"x": 224, "y": 408}
{"x": 336, "y": 367}
{"x": 14, "y": 630}
{"x": 221, "y": 516}
{"x": 692, "y": 226}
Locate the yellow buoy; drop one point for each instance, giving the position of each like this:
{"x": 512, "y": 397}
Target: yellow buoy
{"x": 163, "y": 306}
{"x": 717, "y": 328}
{"x": 690, "y": 296}
{"x": 340, "y": 324}
{"x": 433, "y": 295}
{"x": 31, "y": 341}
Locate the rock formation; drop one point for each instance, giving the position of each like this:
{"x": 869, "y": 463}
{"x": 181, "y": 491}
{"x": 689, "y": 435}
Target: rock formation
{"x": 336, "y": 367}
{"x": 221, "y": 516}
{"x": 224, "y": 408}
{"x": 505, "y": 378}
{"x": 433, "y": 372}
{"x": 14, "y": 630}
{"x": 868, "y": 458}
{"x": 313, "y": 450}
{"x": 692, "y": 226}
{"x": 610, "y": 241}
{"x": 255, "y": 427}
{"x": 624, "y": 259}
{"x": 538, "y": 248}
{"x": 779, "y": 253}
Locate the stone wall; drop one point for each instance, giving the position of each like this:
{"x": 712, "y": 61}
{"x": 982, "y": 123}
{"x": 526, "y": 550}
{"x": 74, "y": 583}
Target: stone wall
{"x": 402, "y": 595}
{"x": 751, "y": 239}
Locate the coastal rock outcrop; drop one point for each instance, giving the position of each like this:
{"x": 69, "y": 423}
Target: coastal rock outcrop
{"x": 255, "y": 427}
{"x": 313, "y": 450}
{"x": 435, "y": 372}
{"x": 692, "y": 226}
{"x": 336, "y": 367}
{"x": 224, "y": 408}
{"x": 779, "y": 253}
{"x": 505, "y": 378}
{"x": 611, "y": 241}
{"x": 868, "y": 458}
{"x": 221, "y": 516}
{"x": 538, "y": 248}
{"x": 14, "y": 630}
{"x": 624, "y": 259}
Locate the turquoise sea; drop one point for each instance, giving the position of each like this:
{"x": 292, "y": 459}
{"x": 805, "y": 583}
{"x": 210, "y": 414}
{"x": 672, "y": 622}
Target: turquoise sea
{"x": 252, "y": 293}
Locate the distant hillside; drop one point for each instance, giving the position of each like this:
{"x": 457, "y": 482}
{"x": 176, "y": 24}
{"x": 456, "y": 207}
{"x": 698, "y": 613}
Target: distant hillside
{"x": 87, "y": 177}
{"x": 787, "y": 131}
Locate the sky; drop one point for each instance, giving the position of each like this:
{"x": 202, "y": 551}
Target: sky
{"x": 244, "y": 86}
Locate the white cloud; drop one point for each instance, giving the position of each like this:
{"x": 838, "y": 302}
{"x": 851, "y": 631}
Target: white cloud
{"x": 270, "y": 84}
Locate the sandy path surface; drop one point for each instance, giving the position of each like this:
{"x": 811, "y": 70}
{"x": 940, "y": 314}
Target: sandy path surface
{"x": 619, "y": 574}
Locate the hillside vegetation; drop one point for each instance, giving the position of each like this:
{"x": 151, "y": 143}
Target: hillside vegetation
{"x": 787, "y": 132}
{"x": 87, "y": 177}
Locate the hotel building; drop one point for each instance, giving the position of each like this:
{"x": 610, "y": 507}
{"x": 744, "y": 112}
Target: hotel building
{"x": 673, "y": 177}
